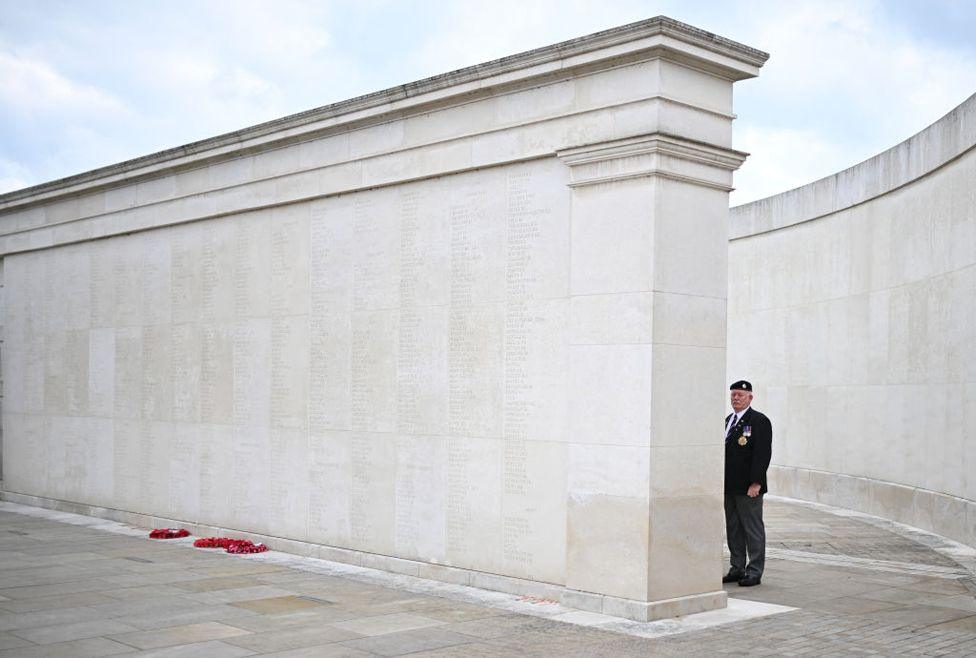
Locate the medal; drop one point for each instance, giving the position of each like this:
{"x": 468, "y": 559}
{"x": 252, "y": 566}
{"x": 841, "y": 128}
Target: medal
{"x": 743, "y": 440}
{"x": 747, "y": 432}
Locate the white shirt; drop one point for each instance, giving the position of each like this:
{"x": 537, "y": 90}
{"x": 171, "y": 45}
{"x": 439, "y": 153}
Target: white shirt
{"x": 735, "y": 418}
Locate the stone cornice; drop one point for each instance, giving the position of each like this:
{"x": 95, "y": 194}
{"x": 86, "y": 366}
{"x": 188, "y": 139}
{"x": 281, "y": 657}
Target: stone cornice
{"x": 668, "y": 156}
{"x": 653, "y": 38}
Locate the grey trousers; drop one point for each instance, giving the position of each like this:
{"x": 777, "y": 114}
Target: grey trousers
{"x": 745, "y": 531}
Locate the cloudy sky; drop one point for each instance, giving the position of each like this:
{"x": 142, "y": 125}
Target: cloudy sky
{"x": 86, "y": 84}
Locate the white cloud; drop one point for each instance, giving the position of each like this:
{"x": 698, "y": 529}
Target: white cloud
{"x": 784, "y": 158}
{"x": 30, "y": 85}
{"x": 844, "y": 82}
{"x": 13, "y": 176}
{"x": 852, "y": 56}
{"x": 243, "y": 83}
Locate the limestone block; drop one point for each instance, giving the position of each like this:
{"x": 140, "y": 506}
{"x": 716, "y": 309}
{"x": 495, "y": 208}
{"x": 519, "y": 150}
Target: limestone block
{"x": 252, "y": 265}
{"x": 192, "y": 181}
{"x": 329, "y": 476}
{"x": 251, "y": 483}
{"x": 604, "y": 222}
{"x": 474, "y": 510}
{"x": 288, "y": 483}
{"x": 232, "y": 172}
{"x": 693, "y": 86}
{"x": 608, "y": 319}
{"x": 155, "y": 447}
{"x": 276, "y": 162}
{"x": 128, "y": 373}
{"x": 421, "y": 370}
{"x": 618, "y": 86}
{"x": 185, "y": 467}
{"x": 252, "y": 368}
{"x": 420, "y": 498}
{"x": 691, "y": 250}
{"x": 216, "y": 361}
{"x": 217, "y": 271}
{"x": 376, "y": 139}
{"x": 607, "y": 545}
{"x": 533, "y": 510}
{"x": 686, "y": 380}
{"x": 476, "y": 372}
{"x": 155, "y": 189}
{"x": 689, "y": 320}
{"x": 322, "y": 151}
{"x": 157, "y": 380}
{"x": 289, "y": 374}
{"x": 215, "y": 455}
{"x": 684, "y": 546}
{"x": 186, "y": 368}
{"x": 610, "y": 394}
{"x": 373, "y": 371}
{"x": 372, "y": 492}
{"x": 30, "y": 454}
{"x": 687, "y": 470}
{"x": 289, "y": 260}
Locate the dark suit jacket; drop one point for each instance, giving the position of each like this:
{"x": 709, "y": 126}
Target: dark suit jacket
{"x": 745, "y": 464}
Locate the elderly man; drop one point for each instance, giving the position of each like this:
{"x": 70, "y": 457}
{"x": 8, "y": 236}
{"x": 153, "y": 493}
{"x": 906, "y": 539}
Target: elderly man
{"x": 748, "y": 448}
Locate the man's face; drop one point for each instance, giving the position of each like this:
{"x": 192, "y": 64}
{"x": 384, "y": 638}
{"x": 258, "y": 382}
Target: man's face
{"x": 741, "y": 400}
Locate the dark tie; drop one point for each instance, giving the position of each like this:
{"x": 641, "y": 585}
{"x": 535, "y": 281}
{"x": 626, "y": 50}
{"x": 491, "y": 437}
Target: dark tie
{"x": 728, "y": 435}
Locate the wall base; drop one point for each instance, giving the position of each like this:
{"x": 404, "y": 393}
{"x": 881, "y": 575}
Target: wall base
{"x": 936, "y": 512}
{"x": 609, "y": 605}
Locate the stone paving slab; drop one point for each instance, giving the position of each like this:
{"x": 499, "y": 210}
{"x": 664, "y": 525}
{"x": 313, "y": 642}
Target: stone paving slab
{"x": 853, "y": 585}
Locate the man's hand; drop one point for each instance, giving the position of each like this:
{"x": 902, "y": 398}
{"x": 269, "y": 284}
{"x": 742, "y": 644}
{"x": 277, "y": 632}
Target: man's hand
{"x": 754, "y": 489}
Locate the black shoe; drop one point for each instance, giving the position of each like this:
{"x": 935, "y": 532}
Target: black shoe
{"x": 733, "y": 577}
{"x": 750, "y": 581}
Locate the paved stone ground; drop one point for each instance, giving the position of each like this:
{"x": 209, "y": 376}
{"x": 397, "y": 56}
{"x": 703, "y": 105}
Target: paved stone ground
{"x": 860, "y": 587}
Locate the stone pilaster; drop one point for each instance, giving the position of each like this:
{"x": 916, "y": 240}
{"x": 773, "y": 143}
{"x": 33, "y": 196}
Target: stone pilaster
{"x": 648, "y": 307}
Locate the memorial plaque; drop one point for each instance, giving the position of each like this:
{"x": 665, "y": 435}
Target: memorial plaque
{"x": 157, "y": 374}
{"x": 252, "y": 265}
{"x": 252, "y": 372}
{"x": 330, "y": 315}
{"x": 184, "y": 471}
{"x": 372, "y": 481}
{"x": 250, "y": 479}
{"x": 186, "y": 366}
{"x": 218, "y": 292}
{"x": 474, "y": 500}
{"x": 155, "y": 296}
{"x": 102, "y": 295}
{"x": 289, "y": 371}
{"x": 101, "y": 373}
{"x": 216, "y": 373}
{"x": 421, "y": 496}
{"x": 329, "y": 487}
{"x": 288, "y": 482}
{"x": 128, "y": 372}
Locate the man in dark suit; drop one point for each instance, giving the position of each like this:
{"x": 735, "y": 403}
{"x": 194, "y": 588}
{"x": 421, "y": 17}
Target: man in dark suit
{"x": 748, "y": 448}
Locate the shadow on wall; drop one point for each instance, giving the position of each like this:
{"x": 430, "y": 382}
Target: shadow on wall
{"x": 854, "y": 314}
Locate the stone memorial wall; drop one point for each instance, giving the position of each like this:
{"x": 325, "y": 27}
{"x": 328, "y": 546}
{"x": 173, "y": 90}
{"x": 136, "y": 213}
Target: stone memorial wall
{"x": 852, "y": 307}
{"x": 455, "y": 329}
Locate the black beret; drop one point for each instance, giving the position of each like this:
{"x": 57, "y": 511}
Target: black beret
{"x": 741, "y": 385}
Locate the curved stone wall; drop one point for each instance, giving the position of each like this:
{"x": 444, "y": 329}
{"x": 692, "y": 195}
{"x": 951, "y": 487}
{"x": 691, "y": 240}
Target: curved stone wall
{"x": 852, "y": 308}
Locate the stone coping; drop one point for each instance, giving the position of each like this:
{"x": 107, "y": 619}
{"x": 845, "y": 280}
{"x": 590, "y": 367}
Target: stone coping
{"x": 642, "y": 39}
{"x": 946, "y": 140}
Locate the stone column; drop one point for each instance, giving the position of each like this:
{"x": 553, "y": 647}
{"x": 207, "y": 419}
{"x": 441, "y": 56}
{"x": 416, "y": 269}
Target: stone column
{"x": 648, "y": 314}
